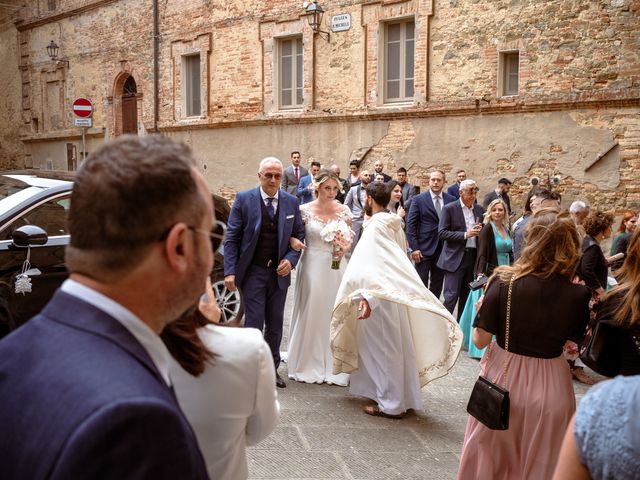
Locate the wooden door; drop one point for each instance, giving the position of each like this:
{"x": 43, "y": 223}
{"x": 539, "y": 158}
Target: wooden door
{"x": 129, "y": 115}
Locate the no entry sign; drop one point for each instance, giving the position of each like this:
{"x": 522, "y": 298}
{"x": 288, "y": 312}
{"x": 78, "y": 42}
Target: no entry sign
{"x": 82, "y": 107}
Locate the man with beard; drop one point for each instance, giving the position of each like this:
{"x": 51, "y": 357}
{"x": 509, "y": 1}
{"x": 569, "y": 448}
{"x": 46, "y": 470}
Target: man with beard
{"x": 406, "y": 337}
{"x": 85, "y": 384}
{"x": 378, "y": 166}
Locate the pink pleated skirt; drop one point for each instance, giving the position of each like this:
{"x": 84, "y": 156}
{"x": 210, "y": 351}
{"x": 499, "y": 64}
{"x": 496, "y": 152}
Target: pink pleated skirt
{"x": 542, "y": 403}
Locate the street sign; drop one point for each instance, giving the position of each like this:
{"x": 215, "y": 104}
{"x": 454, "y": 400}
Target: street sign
{"x": 341, "y": 23}
{"x": 82, "y": 107}
{"x": 82, "y": 122}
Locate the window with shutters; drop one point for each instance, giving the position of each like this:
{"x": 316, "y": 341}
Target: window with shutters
{"x": 398, "y": 61}
{"x": 509, "y": 73}
{"x": 191, "y": 82}
{"x": 290, "y": 72}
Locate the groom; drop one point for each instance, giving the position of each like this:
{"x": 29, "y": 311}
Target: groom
{"x": 257, "y": 255}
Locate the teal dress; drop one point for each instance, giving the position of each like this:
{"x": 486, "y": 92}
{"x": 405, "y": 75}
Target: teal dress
{"x": 503, "y": 248}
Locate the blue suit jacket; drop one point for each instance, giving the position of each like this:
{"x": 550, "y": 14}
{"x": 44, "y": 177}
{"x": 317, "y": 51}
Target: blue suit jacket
{"x": 304, "y": 194}
{"x": 451, "y": 230}
{"x": 454, "y": 190}
{"x": 422, "y": 223}
{"x": 243, "y": 230}
{"x": 82, "y": 399}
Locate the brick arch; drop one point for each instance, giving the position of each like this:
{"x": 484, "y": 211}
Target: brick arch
{"x": 115, "y": 101}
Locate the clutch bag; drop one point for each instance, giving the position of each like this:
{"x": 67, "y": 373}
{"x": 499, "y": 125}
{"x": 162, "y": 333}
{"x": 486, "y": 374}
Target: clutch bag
{"x": 489, "y": 404}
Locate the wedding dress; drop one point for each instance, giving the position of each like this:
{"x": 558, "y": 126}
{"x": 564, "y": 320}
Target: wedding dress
{"x": 309, "y": 353}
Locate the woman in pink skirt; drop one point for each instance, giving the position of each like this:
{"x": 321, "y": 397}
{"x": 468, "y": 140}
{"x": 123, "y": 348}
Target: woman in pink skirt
{"x": 547, "y": 309}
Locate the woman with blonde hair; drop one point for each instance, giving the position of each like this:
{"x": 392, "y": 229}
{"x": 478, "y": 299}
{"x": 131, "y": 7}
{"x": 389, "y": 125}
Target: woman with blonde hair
{"x": 309, "y": 357}
{"x": 546, "y": 310}
{"x": 494, "y": 249}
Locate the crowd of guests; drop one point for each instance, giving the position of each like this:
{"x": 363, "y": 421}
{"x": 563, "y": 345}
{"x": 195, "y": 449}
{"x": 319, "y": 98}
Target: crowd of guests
{"x": 129, "y": 339}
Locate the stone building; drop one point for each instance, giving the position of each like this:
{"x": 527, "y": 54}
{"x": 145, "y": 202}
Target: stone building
{"x": 515, "y": 88}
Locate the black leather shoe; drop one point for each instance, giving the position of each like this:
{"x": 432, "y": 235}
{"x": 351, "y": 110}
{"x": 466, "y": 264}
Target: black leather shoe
{"x": 280, "y": 382}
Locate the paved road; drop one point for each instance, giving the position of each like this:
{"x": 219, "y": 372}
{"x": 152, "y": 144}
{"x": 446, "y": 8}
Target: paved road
{"x": 323, "y": 433}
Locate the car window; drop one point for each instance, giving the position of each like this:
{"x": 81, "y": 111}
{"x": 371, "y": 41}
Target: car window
{"x": 51, "y": 216}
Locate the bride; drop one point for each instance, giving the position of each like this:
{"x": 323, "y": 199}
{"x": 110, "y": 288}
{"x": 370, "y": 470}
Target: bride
{"x": 309, "y": 353}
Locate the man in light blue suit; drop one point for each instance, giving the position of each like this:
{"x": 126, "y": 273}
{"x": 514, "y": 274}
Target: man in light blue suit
{"x": 422, "y": 231}
{"x": 258, "y": 257}
{"x": 305, "y": 192}
{"x": 459, "y": 227}
{"x": 85, "y": 384}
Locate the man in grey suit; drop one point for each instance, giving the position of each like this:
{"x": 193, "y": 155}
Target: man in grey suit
{"x": 292, "y": 174}
{"x": 356, "y": 200}
{"x": 459, "y": 227}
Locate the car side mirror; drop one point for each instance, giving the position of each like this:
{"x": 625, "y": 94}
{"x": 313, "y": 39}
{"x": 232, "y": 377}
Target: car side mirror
{"x": 28, "y": 236}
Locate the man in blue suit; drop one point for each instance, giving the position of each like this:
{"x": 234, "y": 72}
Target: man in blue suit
{"x": 454, "y": 190}
{"x": 305, "y": 192}
{"x": 422, "y": 231}
{"x": 459, "y": 227}
{"x": 85, "y": 386}
{"x": 258, "y": 257}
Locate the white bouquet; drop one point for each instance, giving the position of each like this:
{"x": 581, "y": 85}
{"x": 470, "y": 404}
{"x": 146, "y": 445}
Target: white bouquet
{"x": 340, "y": 236}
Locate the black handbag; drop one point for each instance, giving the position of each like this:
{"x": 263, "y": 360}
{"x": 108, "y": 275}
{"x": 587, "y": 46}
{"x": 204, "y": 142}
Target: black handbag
{"x": 489, "y": 402}
{"x": 599, "y": 350}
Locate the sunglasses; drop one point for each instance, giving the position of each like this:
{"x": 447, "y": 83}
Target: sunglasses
{"x": 217, "y": 234}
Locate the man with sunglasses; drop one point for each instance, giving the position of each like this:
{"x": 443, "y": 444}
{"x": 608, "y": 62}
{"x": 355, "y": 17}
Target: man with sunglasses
{"x": 91, "y": 364}
{"x": 258, "y": 257}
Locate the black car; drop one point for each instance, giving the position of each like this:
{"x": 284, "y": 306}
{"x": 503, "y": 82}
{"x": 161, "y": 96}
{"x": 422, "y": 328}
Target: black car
{"x": 33, "y": 237}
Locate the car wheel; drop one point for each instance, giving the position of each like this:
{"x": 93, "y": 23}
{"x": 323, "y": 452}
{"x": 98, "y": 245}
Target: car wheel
{"x": 230, "y": 303}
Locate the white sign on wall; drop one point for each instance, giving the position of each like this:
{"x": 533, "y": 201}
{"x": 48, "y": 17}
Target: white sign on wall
{"x": 341, "y": 23}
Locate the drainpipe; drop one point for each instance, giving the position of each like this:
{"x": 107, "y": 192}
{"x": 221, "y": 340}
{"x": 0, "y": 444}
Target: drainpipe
{"x": 156, "y": 66}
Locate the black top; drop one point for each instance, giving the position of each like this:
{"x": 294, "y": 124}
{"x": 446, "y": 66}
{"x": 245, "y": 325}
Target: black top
{"x": 593, "y": 268}
{"x": 545, "y": 313}
{"x": 627, "y": 338}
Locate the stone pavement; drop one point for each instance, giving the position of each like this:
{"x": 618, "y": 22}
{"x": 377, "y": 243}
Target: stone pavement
{"x": 323, "y": 433}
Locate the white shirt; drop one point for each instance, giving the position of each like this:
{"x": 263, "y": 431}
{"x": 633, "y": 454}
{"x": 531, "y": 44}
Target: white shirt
{"x": 274, "y": 202}
{"x": 470, "y": 221}
{"x": 149, "y": 340}
{"x": 234, "y": 402}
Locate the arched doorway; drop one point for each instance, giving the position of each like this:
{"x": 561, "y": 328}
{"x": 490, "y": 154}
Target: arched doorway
{"x": 129, "y": 106}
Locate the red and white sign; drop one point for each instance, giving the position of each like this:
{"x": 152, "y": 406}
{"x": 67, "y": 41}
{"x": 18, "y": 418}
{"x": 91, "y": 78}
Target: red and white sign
{"x": 82, "y": 107}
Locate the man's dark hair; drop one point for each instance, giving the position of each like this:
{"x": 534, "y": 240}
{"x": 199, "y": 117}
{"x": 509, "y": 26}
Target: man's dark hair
{"x": 315, "y": 164}
{"x": 294, "y": 152}
{"x": 402, "y": 170}
{"x": 546, "y": 194}
{"x": 379, "y": 192}
{"x": 354, "y": 162}
{"x": 125, "y": 197}
{"x": 505, "y": 181}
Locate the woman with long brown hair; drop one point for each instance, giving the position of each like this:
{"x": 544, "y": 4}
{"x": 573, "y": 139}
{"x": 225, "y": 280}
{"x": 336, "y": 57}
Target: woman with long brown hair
{"x": 546, "y": 310}
{"x": 225, "y": 384}
{"x": 621, "y": 306}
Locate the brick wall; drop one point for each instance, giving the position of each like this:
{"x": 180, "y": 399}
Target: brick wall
{"x": 579, "y": 73}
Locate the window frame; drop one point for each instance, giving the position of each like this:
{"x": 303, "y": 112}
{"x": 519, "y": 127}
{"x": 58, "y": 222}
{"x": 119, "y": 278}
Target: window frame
{"x": 297, "y": 78}
{"x": 384, "y": 71}
{"x": 505, "y": 61}
{"x": 188, "y": 85}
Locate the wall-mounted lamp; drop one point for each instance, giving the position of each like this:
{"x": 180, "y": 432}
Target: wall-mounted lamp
{"x": 52, "y": 51}
{"x": 314, "y": 17}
